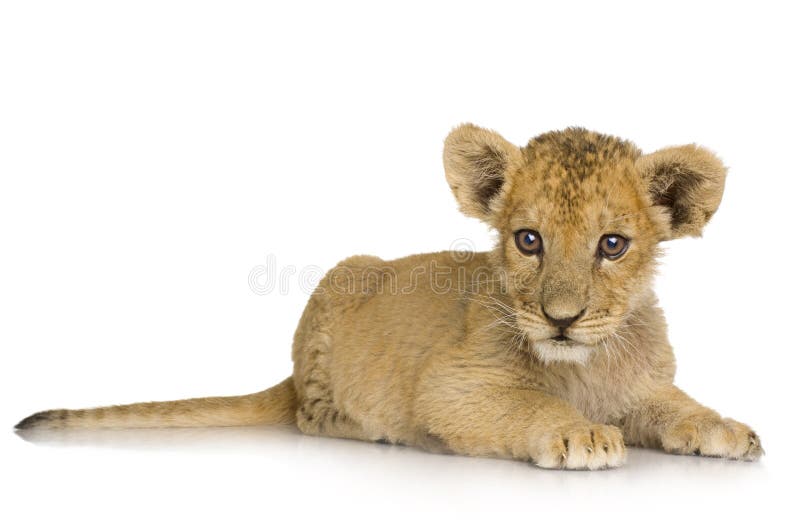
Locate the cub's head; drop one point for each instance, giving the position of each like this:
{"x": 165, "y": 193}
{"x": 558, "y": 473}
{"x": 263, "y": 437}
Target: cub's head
{"x": 580, "y": 216}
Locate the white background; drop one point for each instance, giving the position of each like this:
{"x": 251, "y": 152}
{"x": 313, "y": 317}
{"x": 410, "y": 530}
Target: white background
{"x": 153, "y": 153}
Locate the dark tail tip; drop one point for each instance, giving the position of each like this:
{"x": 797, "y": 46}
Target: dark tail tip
{"x": 36, "y": 420}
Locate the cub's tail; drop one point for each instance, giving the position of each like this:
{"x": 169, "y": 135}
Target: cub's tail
{"x": 276, "y": 405}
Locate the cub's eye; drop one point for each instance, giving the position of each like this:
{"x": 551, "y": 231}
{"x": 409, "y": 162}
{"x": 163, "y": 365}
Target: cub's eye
{"x": 528, "y": 242}
{"x": 612, "y": 247}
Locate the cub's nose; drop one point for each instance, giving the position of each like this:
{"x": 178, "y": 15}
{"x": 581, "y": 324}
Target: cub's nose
{"x": 563, "y": 323}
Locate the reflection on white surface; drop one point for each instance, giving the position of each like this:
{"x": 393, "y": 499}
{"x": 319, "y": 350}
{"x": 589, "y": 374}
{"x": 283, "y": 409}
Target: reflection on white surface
{"x": 257, "y": 477}
{"x": 291, "y": 444}
{"x": 236, "y": 438}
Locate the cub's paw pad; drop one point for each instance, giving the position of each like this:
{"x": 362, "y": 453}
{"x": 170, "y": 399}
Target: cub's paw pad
{"x": 584, "y": 446}
{"x": 719, "y": 437}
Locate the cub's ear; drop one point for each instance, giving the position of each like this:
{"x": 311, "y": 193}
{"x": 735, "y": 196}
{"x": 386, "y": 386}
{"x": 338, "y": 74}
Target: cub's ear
{"x": 687, "y": 181}
{"x": 477, "y": 163}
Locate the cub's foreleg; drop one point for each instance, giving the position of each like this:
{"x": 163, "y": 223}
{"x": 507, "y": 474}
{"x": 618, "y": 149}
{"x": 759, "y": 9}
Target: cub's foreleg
{"x": 672, "y": 420}
{"x": 483, "y": 418}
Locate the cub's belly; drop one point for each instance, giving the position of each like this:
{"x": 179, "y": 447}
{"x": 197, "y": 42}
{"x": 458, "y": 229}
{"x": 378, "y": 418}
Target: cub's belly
{"x": 371, "y": 327}
{"x": 377, "y": 351}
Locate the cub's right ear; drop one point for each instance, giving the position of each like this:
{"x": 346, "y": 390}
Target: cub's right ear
{"x": 686, "y": 180}
{"x": 477, "y": 163}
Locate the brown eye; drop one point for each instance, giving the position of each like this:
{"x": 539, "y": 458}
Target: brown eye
{"x": 612, "y": 247}
{"x": 528, "y": 242}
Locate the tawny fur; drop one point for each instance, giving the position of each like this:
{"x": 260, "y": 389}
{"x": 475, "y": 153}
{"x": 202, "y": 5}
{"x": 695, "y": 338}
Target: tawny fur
{"x": 454, "y": 353}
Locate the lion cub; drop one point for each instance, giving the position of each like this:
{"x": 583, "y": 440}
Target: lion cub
{"x": 549, "y": 348}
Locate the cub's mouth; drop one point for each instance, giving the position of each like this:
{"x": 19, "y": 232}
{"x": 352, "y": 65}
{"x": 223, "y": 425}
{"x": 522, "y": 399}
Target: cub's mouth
{"x": 562, "y": 349}
{"x": 563, "y": 340}
{"x": 557, "y": 343}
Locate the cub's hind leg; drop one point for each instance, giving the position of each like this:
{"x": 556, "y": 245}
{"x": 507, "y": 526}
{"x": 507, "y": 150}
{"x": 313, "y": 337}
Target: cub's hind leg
{"x": 317, "y": 413}
{"x": 318, "y": 416}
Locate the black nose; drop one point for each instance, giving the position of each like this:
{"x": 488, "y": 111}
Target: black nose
{"x": 563, "y": 323}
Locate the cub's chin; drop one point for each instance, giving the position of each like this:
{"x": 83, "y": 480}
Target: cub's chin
{"x": 551, "y": 350}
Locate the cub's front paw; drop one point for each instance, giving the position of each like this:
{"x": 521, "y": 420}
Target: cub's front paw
{"x": 581, "y": 446}
{"x": 711, "y": 436}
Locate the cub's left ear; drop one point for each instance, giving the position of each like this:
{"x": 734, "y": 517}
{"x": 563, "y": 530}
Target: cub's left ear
{"x": 687, "y": 181}
{"x": 477, "y": 164}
